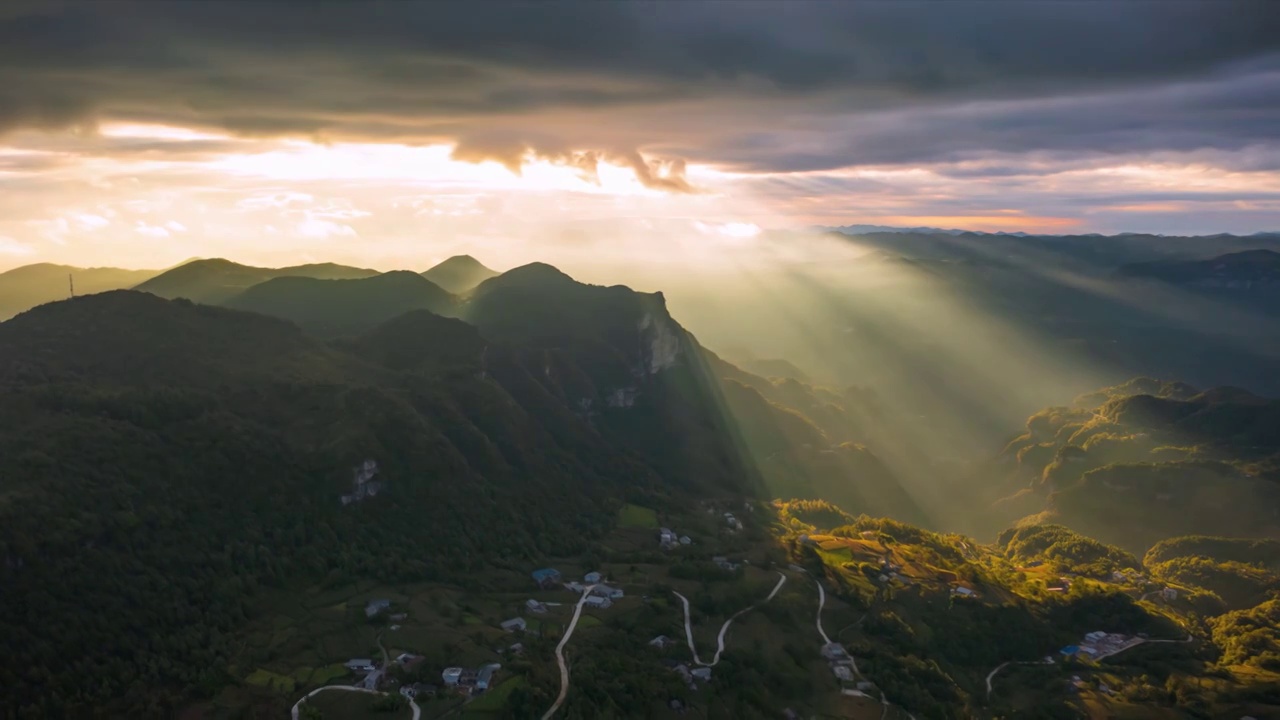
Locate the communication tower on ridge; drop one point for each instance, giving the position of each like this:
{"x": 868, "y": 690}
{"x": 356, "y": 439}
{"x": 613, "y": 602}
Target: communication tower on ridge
{"x": 72, "y": 284}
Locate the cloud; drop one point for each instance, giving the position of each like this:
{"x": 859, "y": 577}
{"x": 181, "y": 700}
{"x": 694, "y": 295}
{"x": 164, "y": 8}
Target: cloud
{"x": 761, "y": 87}
{"x": 13, "y": 248}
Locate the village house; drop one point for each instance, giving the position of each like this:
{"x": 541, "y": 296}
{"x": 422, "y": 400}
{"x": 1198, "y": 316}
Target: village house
{"x": 546, "y": 578}
{"x": 962, "y": 591}
{"x": 591, "y": 578}
{"x": 575, "y": 586}
{"x": 484, "y": 678}
{"x": 359, "y": 665}
{"x": 598, "y": 601}
{"x": 1169, "y": 594}
{"x": 686, "y": 540}
{"x": 843, "y": 672}
{"x": 376, "y": 606}
{"x": 667, "y": 539}
{"x": 516, "y": 623}
{"x": 452, "y": 675}
{"x": 702, "y": 673}
{"x": 608, "y": 591}
{"x": 834, "y": 651}
{"x": 661, "y": 641}
{"x": 535, "y": 606}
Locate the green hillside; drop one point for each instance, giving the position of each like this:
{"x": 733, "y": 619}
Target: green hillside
{"x": 335, "y": 308}
{"x": 1147, "y": 460}
{"x": 216, "y": 280}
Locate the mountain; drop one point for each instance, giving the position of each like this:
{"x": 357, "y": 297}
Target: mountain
{"x": 25, "y": 287}
{"x": 1144, "y": 461}
{"x": 1251, "y": 277}
{"x": 208, "y": 449}
{"x": 333, "y": 308}
{"x": 216, "y": 280}
{"x": 459, "y": 274}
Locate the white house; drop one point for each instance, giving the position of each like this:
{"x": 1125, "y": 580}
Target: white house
{"x": 359, "y": 665}
{"x": 451, "y": 675}
{"x": 666, "y": 537}
{"x": 1095, "y": 636}
{"x": 1169, "y": 594}
{"x": 843, "y": 672}
{"x": 535, "y": 606}
{"x": 591, "y": 578}
{"x": 514, "y": 624}
{"x": 661, "y": 641}
{"x": 686, "y": 540}
{"x": 597, "y": 601}
{"x": 962, "y": 591}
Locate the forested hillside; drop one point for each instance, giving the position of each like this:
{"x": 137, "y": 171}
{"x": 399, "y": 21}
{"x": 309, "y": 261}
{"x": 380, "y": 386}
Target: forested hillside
{"x": 208, "y": 450}
{"x": 1144, "y": 461}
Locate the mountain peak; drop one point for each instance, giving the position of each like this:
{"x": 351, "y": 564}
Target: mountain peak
{"x": 459, "y": 274}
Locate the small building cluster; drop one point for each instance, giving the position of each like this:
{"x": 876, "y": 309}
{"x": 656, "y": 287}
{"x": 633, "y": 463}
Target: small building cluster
{"x": 1099, "y": 644}
{"x": 668, "y": 540}
{"x": 470, "y": 682}
{"x": 689, "y": 675}
{"x": 363, "y": 484}
{"x": 724, "y": 563}
{"x": 733, "y": 522}
{"x": 840, "y": 661}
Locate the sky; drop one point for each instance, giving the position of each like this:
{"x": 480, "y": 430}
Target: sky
{"x": 396, "y": 134}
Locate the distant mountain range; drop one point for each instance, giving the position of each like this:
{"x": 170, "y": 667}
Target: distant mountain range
{"x": 872, "y": 229}
{"x": 25, "y": 287}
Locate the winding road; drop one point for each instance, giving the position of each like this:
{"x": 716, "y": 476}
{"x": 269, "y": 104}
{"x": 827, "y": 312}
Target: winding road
{"x": 822, "y": 601}
{"x": 564, "y": 667}
{"x": 417, "y": 711}
{"x": 688, "y": 628}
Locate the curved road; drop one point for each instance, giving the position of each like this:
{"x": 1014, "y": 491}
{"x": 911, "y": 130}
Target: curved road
{"x": 822, "y": 601}
{"x": 688, "y": 629}
{"x": 417, "y": 711}
{"x": 564, "y": 667}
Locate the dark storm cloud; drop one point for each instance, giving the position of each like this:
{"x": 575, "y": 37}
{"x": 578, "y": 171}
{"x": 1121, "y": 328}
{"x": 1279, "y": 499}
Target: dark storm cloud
{"x": 761, "y": 86}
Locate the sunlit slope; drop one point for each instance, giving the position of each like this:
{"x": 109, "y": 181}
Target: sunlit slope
{"x": 1146, "y": 460}
{"x": 945, "y": 627}
{"x": 30, "y": 285}
{"x": 215, "y": 281}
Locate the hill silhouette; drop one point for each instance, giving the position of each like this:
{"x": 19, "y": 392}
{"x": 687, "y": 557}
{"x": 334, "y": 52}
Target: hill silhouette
{"x": 459, "y": 274}
{"x": 25, "y": 287}
{"x": 216, "y": 280}
{"x": 333, "y": 308}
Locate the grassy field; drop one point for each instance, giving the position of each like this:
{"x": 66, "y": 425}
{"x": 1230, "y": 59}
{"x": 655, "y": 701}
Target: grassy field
{"x": 637, "y": 516}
